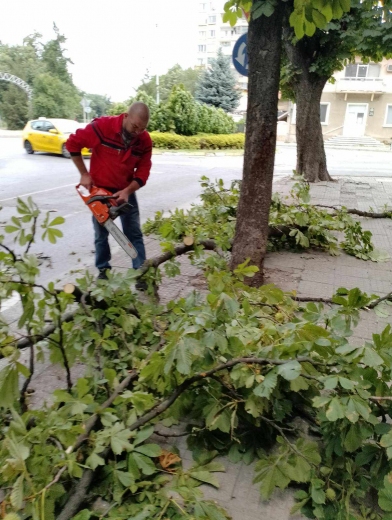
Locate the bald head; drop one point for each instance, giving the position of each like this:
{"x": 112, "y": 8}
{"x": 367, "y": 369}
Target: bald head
{"x": 136, "y": 119}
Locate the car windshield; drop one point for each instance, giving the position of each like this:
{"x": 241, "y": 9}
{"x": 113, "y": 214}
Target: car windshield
{"x": 66, "y": 126}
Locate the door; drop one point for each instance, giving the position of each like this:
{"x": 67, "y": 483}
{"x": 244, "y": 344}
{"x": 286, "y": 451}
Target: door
{"x": 50, "y": 141}
{"x": 355, "y": 120}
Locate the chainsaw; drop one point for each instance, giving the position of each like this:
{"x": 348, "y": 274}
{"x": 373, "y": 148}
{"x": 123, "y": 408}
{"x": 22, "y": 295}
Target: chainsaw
{"x": 104, "y": 208}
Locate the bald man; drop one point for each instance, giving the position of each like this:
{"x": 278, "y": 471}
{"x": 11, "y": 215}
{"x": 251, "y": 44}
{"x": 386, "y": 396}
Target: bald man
{"x": 121, "y": 163}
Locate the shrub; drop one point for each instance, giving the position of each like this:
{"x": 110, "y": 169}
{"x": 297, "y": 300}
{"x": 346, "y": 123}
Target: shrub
{"x": 196, "y": 142}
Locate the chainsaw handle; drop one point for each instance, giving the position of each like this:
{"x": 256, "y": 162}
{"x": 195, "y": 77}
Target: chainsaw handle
{"x": 101, "y": 198}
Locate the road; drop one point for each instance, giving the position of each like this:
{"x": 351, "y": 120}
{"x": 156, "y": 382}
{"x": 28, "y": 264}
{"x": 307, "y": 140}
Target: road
{"x": 50, "y": 180}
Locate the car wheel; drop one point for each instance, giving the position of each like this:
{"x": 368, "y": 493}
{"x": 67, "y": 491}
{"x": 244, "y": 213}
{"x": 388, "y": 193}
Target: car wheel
{"x": 65, "y": 152}
{"x": 28, "y": 147}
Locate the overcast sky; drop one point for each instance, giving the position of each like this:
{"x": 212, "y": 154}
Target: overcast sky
{"x": 111, "y": 42}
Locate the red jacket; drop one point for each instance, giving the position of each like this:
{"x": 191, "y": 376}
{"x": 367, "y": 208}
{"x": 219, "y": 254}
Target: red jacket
{"x": 112, "y": 165}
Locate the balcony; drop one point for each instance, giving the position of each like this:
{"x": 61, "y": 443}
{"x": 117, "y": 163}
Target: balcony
{"x": 361, "y": 86}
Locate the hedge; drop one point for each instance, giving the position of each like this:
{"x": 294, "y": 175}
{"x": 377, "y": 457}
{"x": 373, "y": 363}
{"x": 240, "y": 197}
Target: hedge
{"x": 173, "y": 141}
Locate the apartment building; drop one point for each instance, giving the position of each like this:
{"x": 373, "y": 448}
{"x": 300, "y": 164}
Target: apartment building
{"x": 214, "y": 34}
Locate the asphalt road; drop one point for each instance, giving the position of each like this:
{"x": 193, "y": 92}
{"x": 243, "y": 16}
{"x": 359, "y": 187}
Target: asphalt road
{"x": 51, "y": 180}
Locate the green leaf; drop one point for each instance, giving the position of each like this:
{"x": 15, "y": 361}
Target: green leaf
{"x": 144, "y": 464}
{"x": 85, "y": 514}
{"x": 208, "y": 511}
{"x": 57, "y": 221}
{"x": 17, "y": 493}
{"x": 206, "y": 477}
{"x": 125, "y": 478}
{"x": 319, "y": 19}
{"x": 334, "y": 411}
{"x": 290, "y": 370}
{"x": 265, "y": 388}
{"x": 385, "y": 495}
{"x": 353, "y": 439}
{"x": 270, "y": 474}
{"x": 371, "y": 358}
{"x": 143, "y": 435}
{"x": 151, "y": 450}
{"x": 133, "y": 468}
{"x": 94, "y": 460}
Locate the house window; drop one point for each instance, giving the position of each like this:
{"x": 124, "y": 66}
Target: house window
{"x": 202, "y": 34}
{"x": 202, "y": 48}
{"x": 388, "y": 116}
{"x": 202, "y": 7}
{"x": 359, "y": 70}
{"x": 212, "y": 34}
{"x": 324, "y": 113}
{"x": 212, "y": 19}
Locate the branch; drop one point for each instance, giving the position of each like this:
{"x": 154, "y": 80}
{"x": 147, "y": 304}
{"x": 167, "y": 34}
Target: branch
{"x": 353, "y": 211}
{"x": 14, "y": 258}
{"x": 28, "y": 380}
{"x": 80, "y": 490}
{"x": 32, "y": 340}
{"x": 379, "y": 300}
{"x": 33, "y": 231}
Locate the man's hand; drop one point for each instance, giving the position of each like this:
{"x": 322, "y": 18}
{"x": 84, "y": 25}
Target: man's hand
{"x": 86, "y": 180}
{"x": 121, "y": 196}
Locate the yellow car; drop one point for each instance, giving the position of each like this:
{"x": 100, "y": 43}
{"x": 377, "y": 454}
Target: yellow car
{"x": 50, "y": 135}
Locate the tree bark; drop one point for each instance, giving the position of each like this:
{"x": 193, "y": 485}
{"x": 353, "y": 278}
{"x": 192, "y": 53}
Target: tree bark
{"x": 308, "y": 87}
{"x": 311, "y": 159}
{"x": 264, "y": 52}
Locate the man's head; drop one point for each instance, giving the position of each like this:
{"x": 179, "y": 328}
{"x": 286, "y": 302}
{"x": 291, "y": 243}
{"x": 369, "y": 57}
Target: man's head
{"x": 136, "y": 119}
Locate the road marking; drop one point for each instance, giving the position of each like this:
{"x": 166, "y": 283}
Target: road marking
{"x": 36, "y": 192}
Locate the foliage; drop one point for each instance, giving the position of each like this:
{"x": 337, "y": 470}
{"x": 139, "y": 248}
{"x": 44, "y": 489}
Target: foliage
{"x": 53, "y": 57}
{"x": 213, "y": 120}
{"x": 183, "y": 111}
{"x": 217, "y": 85}
{"x": 294, "y": 222}
{"x": 172, "y": 141}
{"x": 174, "y": 77}
{"x": 14, "y": 108}
{"x": 117, "y": 108}
{"x": 54, "y": 98}
{"x": 99, "y": 105}
{"x": 258, "y": 375}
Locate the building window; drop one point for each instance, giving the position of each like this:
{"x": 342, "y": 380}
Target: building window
{"x": 212, "y": 34}
{"x": 388, "y": 116}
{"x": 244, "y": 29}
{"x": 202, "y": 7}
{"x": 202, "y": 48}
{"x": 212, "y": 19}
{"x": 360, "y": 71}
{"x": 225, "y": 44}
{"x": 200, "y": 61}
{"x": 324, "y": 113}
{"x": 202, "y": 34}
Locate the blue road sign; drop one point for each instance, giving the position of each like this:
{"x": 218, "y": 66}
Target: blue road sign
{"x": 240, "y": 55}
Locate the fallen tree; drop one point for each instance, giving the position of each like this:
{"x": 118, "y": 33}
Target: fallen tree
{"x": 243, "y": 364}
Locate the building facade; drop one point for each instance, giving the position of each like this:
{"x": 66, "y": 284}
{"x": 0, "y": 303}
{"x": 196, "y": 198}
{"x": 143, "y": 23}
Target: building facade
{"x": 358, "y": 104}
{"x": 214, "y": 34}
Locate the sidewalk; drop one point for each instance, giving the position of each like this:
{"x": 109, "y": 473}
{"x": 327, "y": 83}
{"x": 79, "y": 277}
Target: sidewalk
{"x": 312, "y": 274}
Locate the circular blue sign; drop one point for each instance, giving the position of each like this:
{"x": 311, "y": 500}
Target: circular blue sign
{"x": 240, "y": 55}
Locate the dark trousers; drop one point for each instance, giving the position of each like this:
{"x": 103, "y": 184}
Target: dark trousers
{"x": 131, "y": 228}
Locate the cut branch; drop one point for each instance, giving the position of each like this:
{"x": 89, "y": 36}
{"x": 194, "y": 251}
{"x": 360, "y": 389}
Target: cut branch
{"x": 360, "y": 213}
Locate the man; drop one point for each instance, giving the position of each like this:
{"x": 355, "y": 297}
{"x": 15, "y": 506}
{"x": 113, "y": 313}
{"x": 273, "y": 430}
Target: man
{"x": 121, "y": 163}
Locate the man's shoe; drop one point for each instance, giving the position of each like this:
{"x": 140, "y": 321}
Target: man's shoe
{"x": 102, "y": 274}
{"x": 141, "y": 285}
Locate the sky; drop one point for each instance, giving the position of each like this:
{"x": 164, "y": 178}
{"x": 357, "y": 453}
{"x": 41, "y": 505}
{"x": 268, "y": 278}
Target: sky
{"x": 111, "y": 43}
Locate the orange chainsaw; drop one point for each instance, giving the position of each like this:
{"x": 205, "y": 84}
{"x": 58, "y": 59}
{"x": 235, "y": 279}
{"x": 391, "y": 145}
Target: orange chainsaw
{"x": 103, "y": 206}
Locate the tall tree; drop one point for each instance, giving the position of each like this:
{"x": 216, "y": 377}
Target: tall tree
{"x": 264, "y": 52}
{"x": 53, "y": 57}
{"x": 312, "y": 60}
{"x": 217, "y": 85}
{"x": 54, "y": 98}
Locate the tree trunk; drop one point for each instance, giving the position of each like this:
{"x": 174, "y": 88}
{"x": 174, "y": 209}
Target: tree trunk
{"x": 308, "y": 87}
{"x": 311, "y": 159}
{"x": 264, "y": 51}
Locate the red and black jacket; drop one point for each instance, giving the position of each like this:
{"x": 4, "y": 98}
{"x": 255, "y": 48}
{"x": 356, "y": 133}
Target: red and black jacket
{"x": 112, "y": 165}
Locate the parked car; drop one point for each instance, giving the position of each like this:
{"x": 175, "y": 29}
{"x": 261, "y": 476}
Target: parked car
{"x": 50, "y": 135}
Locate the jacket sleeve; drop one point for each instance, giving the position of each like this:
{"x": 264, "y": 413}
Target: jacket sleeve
{"x": 82, "y": 138}
{"x": 143, "y": 168}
